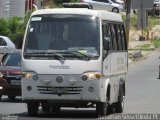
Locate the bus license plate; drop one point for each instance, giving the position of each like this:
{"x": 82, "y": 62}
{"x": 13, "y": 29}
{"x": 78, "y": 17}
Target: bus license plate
{"x": 15, "y": 82}
{"x": 59, "y": 90}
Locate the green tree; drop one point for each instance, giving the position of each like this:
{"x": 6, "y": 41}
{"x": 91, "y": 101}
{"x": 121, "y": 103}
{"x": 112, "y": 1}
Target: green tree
{"x": 4, "y": 27}
{"x": 15, "y": 27}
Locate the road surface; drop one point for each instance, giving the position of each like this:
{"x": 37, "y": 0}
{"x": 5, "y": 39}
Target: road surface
{"x": 143, "y": 95}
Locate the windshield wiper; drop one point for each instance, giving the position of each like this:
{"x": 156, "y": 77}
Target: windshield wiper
{"x": 44, "y": 54}
{"x": 57, "y": 55}
{"x": 77, "y": 53}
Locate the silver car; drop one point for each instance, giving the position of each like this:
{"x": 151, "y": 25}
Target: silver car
{"x": 109, "y": 5}
{"x": 119, "y": 1}
{"x": 6, "y": 45}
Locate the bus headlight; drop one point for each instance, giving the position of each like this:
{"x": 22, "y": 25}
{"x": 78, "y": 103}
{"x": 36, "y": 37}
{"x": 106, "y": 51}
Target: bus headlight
{"x": 27, "y": 74}
{"x": 91, "y": 76}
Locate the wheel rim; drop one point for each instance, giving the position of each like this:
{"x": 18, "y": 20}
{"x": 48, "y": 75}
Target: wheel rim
{"x": 115, "y": 10}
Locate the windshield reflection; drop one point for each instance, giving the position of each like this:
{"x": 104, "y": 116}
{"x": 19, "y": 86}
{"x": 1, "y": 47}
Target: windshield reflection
{"x": 59, "y": 33}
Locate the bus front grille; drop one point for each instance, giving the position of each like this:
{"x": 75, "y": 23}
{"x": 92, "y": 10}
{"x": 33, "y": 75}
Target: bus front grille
{"x": 59, "y": 90}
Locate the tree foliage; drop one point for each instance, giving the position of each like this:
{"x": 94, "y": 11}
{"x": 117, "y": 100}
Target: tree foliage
{"x": 63, "y": 1}
{"x": 4, "y": 27}
{"x": 11, "y": 28}
{"x": 14, "y": 28}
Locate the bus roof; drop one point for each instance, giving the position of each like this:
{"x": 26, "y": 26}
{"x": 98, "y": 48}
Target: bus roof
{"x": 102, "y": 14}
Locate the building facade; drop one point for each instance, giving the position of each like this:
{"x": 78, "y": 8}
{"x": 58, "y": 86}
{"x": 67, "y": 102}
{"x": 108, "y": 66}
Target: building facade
{"x": 11, "y": 8}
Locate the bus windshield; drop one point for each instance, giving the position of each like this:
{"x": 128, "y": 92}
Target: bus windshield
{"x": 63, "y": 34}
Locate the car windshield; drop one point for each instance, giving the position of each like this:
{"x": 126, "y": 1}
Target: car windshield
{"x": 12, "y": 59}
{"x": 62, "y": 34}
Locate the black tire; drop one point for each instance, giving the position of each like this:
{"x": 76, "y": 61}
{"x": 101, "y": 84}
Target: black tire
{"x": 101, "y": 109}
{"x": 32, "y": 108}
{"x": 110, "y": 110}
{"x": 120, "y": 104}
{"x": 11, "y": 97}
{"x": 45, "y": 107}
{"x": 56, "y": 109}
{"x": 115, "y": 10}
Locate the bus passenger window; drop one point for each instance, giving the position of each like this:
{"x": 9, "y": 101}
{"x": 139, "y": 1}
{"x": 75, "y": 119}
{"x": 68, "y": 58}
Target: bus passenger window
{"x": 113, "y": 37}
{"x": 123, "y": 37}
{"x": 106, "y": 38}
{"x": 118, "y": 36}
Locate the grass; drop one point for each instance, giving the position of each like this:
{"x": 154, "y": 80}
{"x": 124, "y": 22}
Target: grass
{"x": 156, "y": 43}
{"x": 144, "y": 47}
{"x": 133, "y": 20}
{"x": 152, "y": 21}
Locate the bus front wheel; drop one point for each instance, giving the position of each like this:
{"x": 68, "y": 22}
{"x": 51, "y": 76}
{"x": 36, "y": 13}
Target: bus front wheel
{"x": 32, "y": 108}
{"x": 45, "y": 107}
{"x": 120, "y": 103}
{"x": 101, "y": 108}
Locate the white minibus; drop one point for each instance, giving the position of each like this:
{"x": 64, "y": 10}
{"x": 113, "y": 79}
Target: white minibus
{"x": 74, "y": 57}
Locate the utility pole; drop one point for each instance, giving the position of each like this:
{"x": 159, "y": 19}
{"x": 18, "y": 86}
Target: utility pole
{"x": 128, "y": 7}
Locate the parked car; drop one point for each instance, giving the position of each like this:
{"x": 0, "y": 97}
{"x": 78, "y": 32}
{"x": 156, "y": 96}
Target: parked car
{"x": 156, "y": 8}
{"x": 109, "y": 5}
{"x": 118, "y": 1}
{"x": 10, "y": 75}
{"x": 6, "y": 45}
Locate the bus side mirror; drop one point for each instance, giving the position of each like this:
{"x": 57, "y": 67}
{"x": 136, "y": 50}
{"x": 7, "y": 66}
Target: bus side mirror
{"x": 106, "y": 43}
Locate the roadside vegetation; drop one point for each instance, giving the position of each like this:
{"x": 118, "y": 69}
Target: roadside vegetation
{"x": 147, "y": 47}
{"x": 143, "y": 47}
{"x": 152, "y": 21}
{"x": 148, "y": 33}
{"x": 156, "y": 43}
{"x": 13, "y": 28}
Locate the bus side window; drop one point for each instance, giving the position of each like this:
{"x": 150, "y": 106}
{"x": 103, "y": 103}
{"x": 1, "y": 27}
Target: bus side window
{"x": 106, "y": 38}
{"x": 123, "y": 37}
{"x": 118, "y": 36}
{"x": 113, "y": 37}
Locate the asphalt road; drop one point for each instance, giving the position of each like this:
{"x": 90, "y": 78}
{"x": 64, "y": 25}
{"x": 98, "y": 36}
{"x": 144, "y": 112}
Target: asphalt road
{"x": 143, "y": 95}
{"x": 143, "y": 88}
